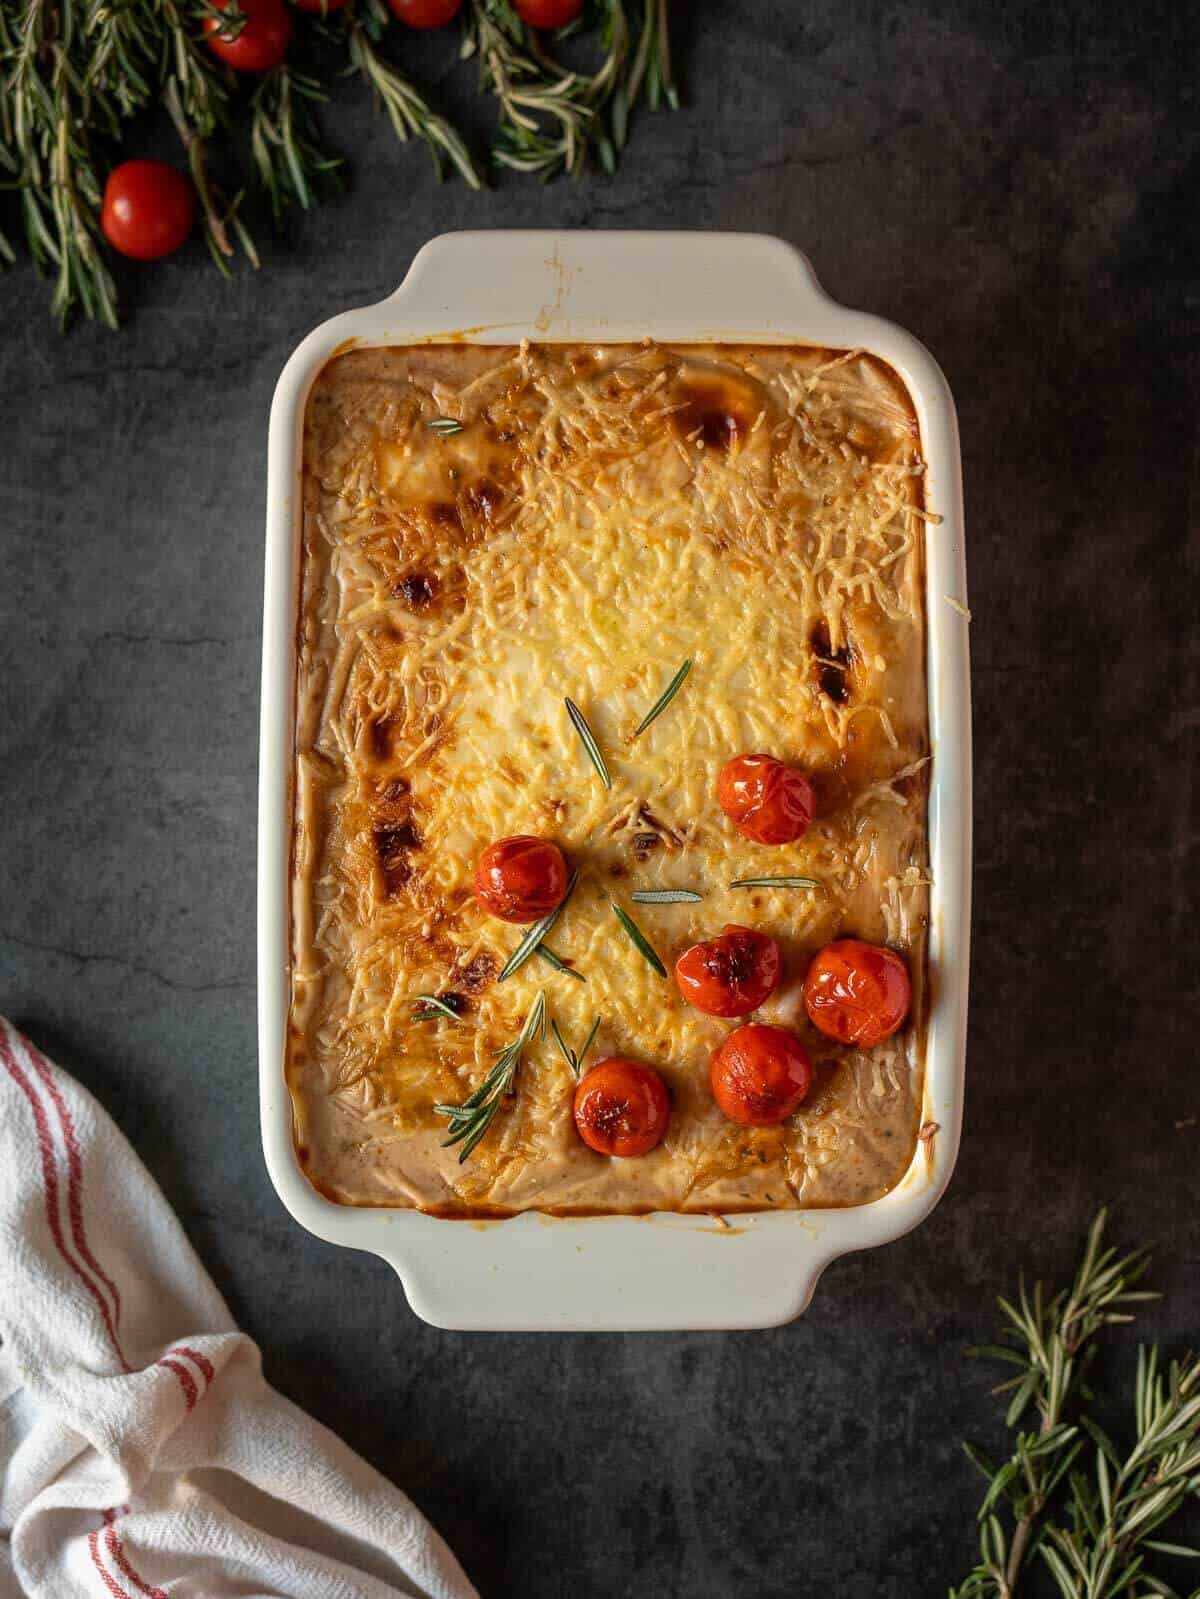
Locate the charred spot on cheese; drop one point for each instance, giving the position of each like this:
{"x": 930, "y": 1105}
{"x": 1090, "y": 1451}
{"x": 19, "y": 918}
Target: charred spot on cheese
{"x": 715, "y": 409}
{"x": 477, "y": 973}
{"x": 644, "y": 844}
{"x": 443, "y": 514}
{"x": 417, "y": 590}
{"x": 393, "y": 845}
{"x": 484, "y": 498}
{"x": 831, "y": 667}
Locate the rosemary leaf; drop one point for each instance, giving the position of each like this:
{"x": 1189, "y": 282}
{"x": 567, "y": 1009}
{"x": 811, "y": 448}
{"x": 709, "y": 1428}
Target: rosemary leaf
{"x": 775, "y": 882}
{"x": 587, "y": 739}
{"x": 560, "y": 965}
{"x": 665, "y": 896}
{"x": 573, "y": 1058}
{"x": 535, "y": 934}
{"x": 639, "y": 941}
{"x": 664, "y": 699}
{"x": 430, "y": 1005}
{"x": 444, "y": 426}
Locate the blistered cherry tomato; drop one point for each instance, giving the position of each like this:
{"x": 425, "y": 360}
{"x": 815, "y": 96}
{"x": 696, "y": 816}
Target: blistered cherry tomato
{"x": 519, "y": 879}
{"x": 857, "y": 993}
{"x": 548, "y": 13}
{"x": 760, "y": 1074}
{"x": 262, "y": 41}
{"x": 148, "y": 209}
{"x": 425, "y": 13}
{"x": 730, "y": 975}
{"x": 622, "y": 1107}
{"x": 764, "y": 799}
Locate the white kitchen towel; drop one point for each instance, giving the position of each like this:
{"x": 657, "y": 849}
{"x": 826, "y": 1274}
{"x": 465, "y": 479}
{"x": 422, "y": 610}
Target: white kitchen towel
{"x": 142, "y": 1454}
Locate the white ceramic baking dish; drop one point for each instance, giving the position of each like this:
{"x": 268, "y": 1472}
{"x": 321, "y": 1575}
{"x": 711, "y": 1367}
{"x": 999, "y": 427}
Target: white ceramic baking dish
{"x": 536, "y": 1272}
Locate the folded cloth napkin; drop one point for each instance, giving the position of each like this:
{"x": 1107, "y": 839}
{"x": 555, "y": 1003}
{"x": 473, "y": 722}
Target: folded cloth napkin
{"x": 142, "y": 1454}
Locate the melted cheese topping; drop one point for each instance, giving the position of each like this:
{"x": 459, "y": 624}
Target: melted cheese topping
{"x": 603, "y": 514}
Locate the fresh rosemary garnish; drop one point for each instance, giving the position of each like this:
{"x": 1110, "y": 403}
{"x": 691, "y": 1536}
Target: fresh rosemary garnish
{"x": 550, "y": 117}
{"x": 775, "y": 882}
{"x": 408, "y": 112}
{"x": 665, "y": 896}
{"x": 560, "y": 965}
{"x": 639, "y": 941}
{"x": 444, "y": 426}
{"x": 587, "y": 739}
{"x": 1114, "y": 1510}
{"x": 574, "y": 1060}
{"x": 535, "y": 934}
{"x": 73, "y": 75}
{"x": 431, "y": 1005}
{"x": 471, "y": 1120}
{"x": 664, "y": 699}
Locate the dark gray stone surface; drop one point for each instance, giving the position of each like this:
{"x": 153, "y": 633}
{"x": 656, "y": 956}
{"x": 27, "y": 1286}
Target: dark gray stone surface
{"x": 1017, "y": 184}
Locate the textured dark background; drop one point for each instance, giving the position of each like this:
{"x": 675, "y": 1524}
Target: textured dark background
{"x": 1015, "y": 183}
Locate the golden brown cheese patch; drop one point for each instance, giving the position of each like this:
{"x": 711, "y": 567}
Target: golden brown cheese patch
{"x": 602, "y": 515}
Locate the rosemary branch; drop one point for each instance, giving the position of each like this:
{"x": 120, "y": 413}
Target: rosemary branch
{"x": 1049, "y": 1341}
{"x": 470, "y": 1121}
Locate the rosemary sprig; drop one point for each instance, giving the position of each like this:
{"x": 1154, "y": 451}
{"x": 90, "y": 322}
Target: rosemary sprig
{"x": 285, "y": 138}
{"x": 444, "y": 426}
{"x": 471, "y": 1120}
{"x": 535, "y": 934}
{"x": 665, "y": 896}
{"x": 550, "y": 117}
{"x": 587, "y": 739}
{"x": 1049, "y": 1342}
{"x": 408, "y": 111}
{"x": 575, "y": 1059}
{"x": 639, "y": 941}
{"x": 664, "y": 699}
{"x": 430, "y": 1006}
{"x": 559, "y": 965}
{"x": 1115, "y": 1512}
{"x": 775, "y": 882}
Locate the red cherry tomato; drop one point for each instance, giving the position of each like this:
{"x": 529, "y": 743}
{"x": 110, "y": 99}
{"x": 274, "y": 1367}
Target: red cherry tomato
{"x": 857, "y": 993}
{"x": 548, "y": 13}
{"x": 760, "y": 1074}
{"x": 764, "y": 799}
{"x": 148, "y": 209}
{"x": 316, "y": 6}
{"x": 263, "y": 40}
{"x": 425, "y": 13}
{"x": 622, "y": 1107}
{"x": 730, "y": 975}
{"x": 519, "y": 879}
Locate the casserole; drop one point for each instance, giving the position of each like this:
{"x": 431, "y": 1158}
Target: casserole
{"x": 621, "y": 1271}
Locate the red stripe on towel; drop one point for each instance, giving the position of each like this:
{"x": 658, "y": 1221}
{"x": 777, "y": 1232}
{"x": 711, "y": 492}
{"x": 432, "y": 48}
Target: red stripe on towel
{"x": 203, "y": 1363}
{"x": 74, "y": 1173}
{"x": 50, "y": 1185}
{"x": 186, "y": 1381}
{"x": 114, "y": 1588}
{"x": 117, "y": 1551}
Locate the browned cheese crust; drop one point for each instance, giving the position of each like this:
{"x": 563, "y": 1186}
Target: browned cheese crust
{"x": 604, "y": 514}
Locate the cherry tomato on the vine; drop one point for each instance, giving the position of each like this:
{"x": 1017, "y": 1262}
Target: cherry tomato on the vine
{"x": 622, "y": 1107}
{"x": 520, "y": 879}
{"x": 731, "y": 975}
{"x": 148, "y": 209}
{"x": 262, "y": 41}
{"x": 760, "y": 1074}
{"x": 425, "y": 13}
{"x": 765, "y": 800}
{"x": 548, "y": 13}
{"x": 857, "y": 993}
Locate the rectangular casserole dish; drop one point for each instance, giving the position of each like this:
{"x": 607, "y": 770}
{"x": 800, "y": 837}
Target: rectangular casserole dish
{"x": 624, "y": 1272}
